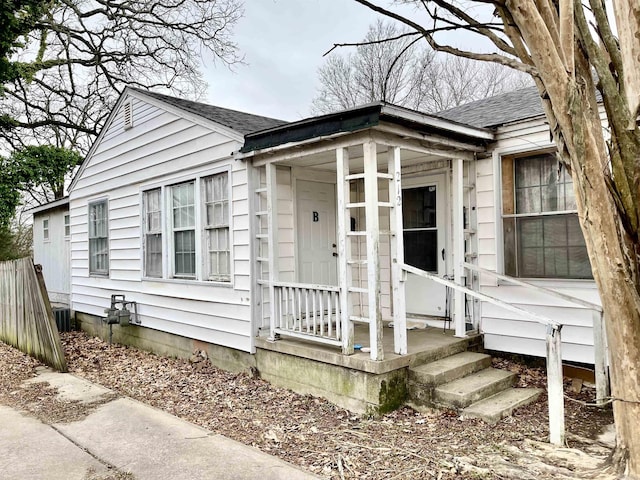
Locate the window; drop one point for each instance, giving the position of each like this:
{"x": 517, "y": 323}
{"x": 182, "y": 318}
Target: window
{"x": 542, "y": 233}
{"x": 45, "y": 229}
{"x": 216, "y": 200}
{"x": 98, "y": 238}
{"x": 184, "y": 229}
{"x": 188, "y": 225}
{"x": 67, "y": 225}
{"x": 420, "y": 230}
{"x": 152, "y": 211}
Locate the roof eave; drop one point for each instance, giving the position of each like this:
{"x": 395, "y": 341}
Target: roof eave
{"x": 61, "y": 202}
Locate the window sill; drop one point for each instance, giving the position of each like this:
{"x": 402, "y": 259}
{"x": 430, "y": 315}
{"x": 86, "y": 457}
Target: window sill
{"x": 186, "y": 281}
{"x": 554, "y": 282}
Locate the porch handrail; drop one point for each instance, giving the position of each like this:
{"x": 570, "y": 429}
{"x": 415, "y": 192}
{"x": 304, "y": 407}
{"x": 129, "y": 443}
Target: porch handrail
{"x": 487, "y": 298}
{"x": 555, "y": 391}
{"x": 517, "y": 281}
{"x": 310, "y": 286}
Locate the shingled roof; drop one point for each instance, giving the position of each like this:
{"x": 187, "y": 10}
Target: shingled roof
{"x": 499, "y": 110}
{"x": 241, "y": 122}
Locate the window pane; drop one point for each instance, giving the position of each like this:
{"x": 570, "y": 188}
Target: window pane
{"x": 528, "y": 200}
{"x": 183, "y": 205}
{"x": 185, "y": 252}
{"x": 153, "y": 258}
{"x": 579, "y": 265}
{"x": 555, "y": 231}
{"x": 216, "y": 200}
{"x": 419, "y": 207}
{"x": 218, "y": 247}
{"x": 421, "y": 249}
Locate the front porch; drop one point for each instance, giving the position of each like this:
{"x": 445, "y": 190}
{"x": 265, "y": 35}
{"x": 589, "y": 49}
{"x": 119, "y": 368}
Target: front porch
{"x": 424, "y": 345}
{"x": 356, "y": 382}
{"x": 332, "y": 229}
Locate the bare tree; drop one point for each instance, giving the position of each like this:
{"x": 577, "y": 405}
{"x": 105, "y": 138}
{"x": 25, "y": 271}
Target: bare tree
{"x": 398, "y": 66}
{"x": 561, "y": 43}
{"x": 81, "y": 54}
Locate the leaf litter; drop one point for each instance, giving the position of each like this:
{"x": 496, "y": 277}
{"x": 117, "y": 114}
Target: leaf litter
{"x": 323, "y": 438}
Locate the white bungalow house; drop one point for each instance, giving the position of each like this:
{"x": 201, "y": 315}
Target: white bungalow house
{"x": 318, "y": 250}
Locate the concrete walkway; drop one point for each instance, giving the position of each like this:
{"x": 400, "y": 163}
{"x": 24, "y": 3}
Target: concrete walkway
{"x": 126, "y": 436}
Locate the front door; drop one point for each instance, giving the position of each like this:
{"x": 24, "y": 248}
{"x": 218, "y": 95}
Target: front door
{"x": 316, "y": 232}
{"x": 424, "y": 234}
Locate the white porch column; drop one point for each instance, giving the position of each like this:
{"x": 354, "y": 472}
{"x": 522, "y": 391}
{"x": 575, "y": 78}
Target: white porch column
{"x": 344, "y": 249}
{"x": 272, "y": 220}
{"x": 458, "y": 245}
{"x": 373, "y": 248}
{"x": 397, "y": 254}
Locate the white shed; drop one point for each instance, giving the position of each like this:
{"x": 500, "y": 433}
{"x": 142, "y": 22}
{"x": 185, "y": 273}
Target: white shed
{"x": 51, "y": 240}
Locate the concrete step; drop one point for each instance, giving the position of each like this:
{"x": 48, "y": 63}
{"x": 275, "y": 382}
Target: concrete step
{"x": 463, "y": 392}
{"x": 502, "y": 404}
{"x": 448, "y": 369}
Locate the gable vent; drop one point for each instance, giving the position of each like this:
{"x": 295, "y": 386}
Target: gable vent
{"x": 128, "y": 116}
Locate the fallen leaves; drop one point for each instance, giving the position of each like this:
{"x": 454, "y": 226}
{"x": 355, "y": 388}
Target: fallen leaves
{"x": 313, "y": 433}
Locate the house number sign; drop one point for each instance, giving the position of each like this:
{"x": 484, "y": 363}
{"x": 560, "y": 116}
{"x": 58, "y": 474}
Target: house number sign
{"x": 316, "y": 217}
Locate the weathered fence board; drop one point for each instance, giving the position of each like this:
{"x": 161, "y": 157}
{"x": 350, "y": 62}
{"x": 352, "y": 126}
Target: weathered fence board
{"x": 27, "y": 321}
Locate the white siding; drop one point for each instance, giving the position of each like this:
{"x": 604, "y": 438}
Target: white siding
{"x": 160, "y": 149}
{"x": 53, "y": 254}
{"x": 504, "y": 331}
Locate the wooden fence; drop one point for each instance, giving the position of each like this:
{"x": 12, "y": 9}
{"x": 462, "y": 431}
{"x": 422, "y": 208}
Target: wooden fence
{"x": 26, "y": 318}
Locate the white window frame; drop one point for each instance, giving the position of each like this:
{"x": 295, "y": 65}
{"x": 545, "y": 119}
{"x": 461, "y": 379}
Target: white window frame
{"x": 172, "y": 230}
{"x": 46, "y": 232}
{"x": 93, "y": 204}
{"x": 207, "y": 228}
{"x": 514, "y": 157}
{"x": 67, "y": 224}
{"x": 146, "y": 231}
{"x": 168, "y": 247}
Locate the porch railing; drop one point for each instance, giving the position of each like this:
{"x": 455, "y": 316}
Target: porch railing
{"x": 305, "y": 311}
{"x": 555, "y": 391}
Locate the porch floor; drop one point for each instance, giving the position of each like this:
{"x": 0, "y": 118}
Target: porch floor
{"x": 423, "y": 345}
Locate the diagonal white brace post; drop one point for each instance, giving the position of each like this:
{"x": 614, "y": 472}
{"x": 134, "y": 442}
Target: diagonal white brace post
{"x": 555, "y": 390}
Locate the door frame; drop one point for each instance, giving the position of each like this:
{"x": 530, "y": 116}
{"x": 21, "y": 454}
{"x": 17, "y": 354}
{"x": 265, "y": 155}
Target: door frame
{"x": 443, "y": 178}
{"x": 308, "y": 175}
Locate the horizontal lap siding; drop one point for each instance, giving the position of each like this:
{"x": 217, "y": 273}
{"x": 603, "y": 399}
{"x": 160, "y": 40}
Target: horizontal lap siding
{"x": 161, "y": 148}
{"x": 53, "y": 254}
{"x": 504, "y": 330}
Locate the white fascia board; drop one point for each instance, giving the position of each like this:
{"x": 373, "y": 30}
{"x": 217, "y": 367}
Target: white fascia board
{"x": 428, "y": 120}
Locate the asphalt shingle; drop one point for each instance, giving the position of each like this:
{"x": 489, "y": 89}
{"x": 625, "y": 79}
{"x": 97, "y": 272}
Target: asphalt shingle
{"x": 499, "y": 110}
{"x": 241, "y": 122}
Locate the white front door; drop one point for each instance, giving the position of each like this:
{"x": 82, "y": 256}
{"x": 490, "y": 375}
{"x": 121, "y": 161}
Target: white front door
{"x": 316, "y": 232}
{"x": 424, "y": 223}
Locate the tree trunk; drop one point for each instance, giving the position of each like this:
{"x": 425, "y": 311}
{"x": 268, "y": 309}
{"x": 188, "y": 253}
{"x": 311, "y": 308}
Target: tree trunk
{"x": 570, "y": 104}
{"x": 615, "y": 276}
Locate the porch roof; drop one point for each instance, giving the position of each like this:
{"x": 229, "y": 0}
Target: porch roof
{"x": 361, "y": 118}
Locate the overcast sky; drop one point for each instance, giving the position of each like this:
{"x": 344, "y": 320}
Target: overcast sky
{"x": 283, "y": 42}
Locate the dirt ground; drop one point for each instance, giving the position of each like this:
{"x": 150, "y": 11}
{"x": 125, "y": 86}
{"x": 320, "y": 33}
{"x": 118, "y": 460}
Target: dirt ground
{"x": 315, "y": 434}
